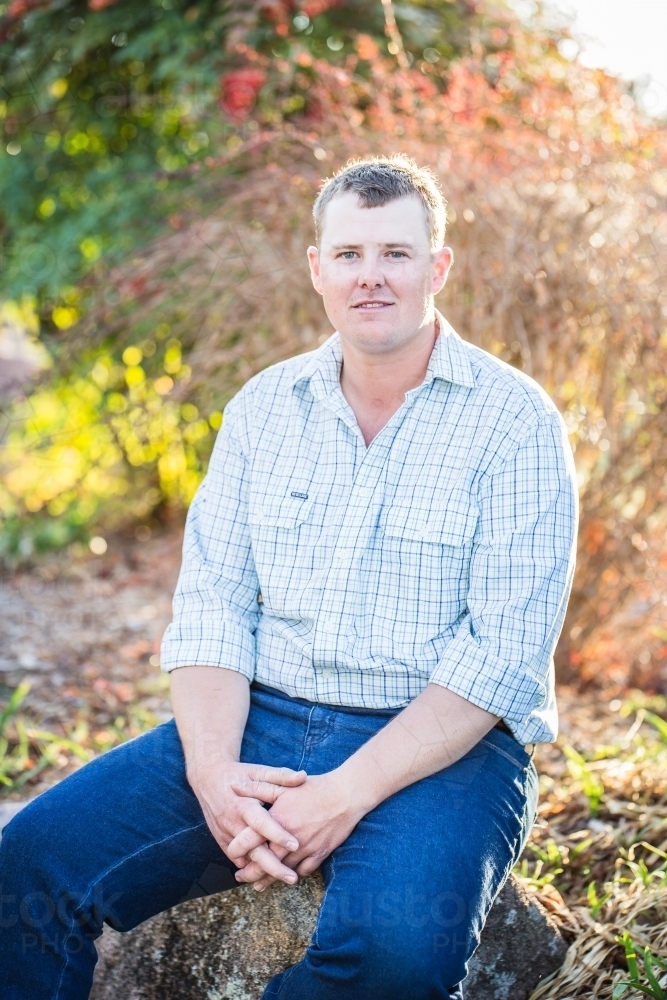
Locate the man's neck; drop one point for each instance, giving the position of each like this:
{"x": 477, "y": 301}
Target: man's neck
{"x": 375, "y": 384}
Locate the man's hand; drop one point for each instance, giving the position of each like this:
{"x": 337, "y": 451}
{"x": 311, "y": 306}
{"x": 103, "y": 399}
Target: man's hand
{"x": 433, "y": 731}
{"x": 231, "y": 796}
{"x": 321, "y": 813}
{"x": 211, "y": 708}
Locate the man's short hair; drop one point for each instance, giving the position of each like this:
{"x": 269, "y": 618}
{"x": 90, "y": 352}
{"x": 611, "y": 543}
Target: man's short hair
{"x": 381, "y": 179}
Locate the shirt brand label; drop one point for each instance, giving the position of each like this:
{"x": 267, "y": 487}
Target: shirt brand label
{"x": 299, "y": 496}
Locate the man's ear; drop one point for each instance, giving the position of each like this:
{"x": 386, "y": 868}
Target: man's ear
{"x": 315, "y": 269}
{"x": 442, "y": 262}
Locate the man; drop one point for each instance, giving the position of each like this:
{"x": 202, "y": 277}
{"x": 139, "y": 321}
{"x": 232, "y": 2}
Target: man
{"x": 375, "y": 573}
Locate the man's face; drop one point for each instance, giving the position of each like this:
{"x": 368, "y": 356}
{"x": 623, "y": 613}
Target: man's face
{"x": 376, "y": 272}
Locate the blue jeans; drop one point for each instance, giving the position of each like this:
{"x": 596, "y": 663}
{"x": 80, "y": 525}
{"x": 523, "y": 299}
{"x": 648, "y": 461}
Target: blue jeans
{"x": 407, "y": 893}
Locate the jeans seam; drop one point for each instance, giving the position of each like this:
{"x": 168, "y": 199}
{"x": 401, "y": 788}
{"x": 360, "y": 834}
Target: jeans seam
{"x": 525, "y": 829}
{"x": 99, "y": 878}
{"x": 524, "y": 817}
{"x": 518, "y": 837}
{"x": 305, "y": 738}
{"x": 316, "y": 932}
{"x": 504, "y": 753}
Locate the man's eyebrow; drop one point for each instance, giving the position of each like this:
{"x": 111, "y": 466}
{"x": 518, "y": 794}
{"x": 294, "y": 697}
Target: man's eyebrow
{"x": 405, "y": 245}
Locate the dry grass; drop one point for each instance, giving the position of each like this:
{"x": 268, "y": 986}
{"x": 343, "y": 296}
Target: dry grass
{"x": 598, "y": 854}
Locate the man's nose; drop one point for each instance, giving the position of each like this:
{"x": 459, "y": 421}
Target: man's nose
{"x": 370, "y": 274}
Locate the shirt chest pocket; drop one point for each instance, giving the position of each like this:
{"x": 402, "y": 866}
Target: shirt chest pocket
{"x": 282, "y": 536}
{"x": 284, "y": 512}
{"x": 452, "y": 524}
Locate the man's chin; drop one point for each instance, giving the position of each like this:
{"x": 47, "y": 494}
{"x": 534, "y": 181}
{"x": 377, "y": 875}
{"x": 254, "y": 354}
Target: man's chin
{"x": 372, "y": 338}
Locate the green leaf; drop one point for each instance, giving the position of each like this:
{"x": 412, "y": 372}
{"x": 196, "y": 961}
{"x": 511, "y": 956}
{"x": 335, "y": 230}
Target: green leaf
{"x": 630, "y": 955}
{"x": 659, "y": 993}
{"x": 646, "y": 990}
{"x": 12, "y": 705}
{"x": 657, "y": 723}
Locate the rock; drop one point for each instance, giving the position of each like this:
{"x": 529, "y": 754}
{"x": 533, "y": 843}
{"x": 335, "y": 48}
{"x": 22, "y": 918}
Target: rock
{"x": 227, "y": 946}
{"x": 8, "y": 810}
{"x": 521, "y": 944}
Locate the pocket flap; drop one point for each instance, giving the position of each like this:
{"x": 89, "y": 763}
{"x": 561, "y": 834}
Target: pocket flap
{"x": 453, "y": 524}
{"x": 280, "y": 511}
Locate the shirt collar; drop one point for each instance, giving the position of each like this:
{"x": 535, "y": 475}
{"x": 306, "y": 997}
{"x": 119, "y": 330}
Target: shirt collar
{"x": 449, "y": 361}
{"x": 323, "y": 367}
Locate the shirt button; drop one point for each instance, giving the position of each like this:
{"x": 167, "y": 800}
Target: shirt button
{"x": 329, "y": 627}
{"x": 327, "y": 673}
{"x": 365, "y": 491}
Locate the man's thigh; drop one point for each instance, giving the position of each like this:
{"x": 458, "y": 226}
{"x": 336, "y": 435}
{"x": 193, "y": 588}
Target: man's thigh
{"x": 123, "y": 838}
{"x": 409, "y": 890}
{"x": 128, "y": 829}
{"x": 118, "y": 841}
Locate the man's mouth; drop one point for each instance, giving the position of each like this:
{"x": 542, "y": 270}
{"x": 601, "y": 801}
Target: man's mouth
{"x": 372, "y": 304}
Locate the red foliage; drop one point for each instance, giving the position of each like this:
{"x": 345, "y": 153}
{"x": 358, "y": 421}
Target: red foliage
{"x": 313, "y": 8}
{"x": 421, "y": 85}
{"x": 18, "y": 8}
{"x": 278, "y": 12}
{"x": 239, "y": 90}
{"x": 96, "y": 5}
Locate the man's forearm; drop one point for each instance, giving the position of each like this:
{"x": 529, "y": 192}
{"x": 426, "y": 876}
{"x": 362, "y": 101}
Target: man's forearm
{"x": 211, "y": 707}
{"x": 432, "y": 732}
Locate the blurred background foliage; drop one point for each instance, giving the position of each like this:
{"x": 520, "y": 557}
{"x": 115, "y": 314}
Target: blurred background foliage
{"x": 158, "y": 165}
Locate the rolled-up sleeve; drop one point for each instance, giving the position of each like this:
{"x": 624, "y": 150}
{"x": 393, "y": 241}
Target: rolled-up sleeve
{"x": 501, "y": 657}
{"x": 215, "y": 609}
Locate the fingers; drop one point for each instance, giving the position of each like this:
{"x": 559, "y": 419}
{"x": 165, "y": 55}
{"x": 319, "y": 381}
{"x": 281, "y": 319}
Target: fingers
{"x": 308, "y": 866}
{"x": 261, "y": 822}
{"x": 265, "y": 791}
{"x": 252, "y": 873}
{"x": 243, "y": 843}
{"x": 261, "y": 885}
{"x": 265, "y": 863}
{"x": 276, "y": 775}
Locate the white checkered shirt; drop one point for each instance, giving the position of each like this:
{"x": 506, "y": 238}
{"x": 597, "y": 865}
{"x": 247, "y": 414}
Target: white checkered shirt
{"x": 442, "y": 553}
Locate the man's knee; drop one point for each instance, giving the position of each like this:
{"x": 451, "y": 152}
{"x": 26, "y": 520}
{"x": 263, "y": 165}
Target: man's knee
{"x": 41, "y": 888}
{"x": 26, "y": 898}
{"x": 20, "y": 845}
{"x": 44, "y": 825}
{"x": 395, "y": 945}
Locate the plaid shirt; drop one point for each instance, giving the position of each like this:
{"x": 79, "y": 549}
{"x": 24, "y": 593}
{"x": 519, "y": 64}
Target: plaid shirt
{"x": 442, "y": 553}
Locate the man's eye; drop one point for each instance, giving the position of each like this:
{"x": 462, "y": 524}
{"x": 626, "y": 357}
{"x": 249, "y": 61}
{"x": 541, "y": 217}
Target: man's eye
{"x": 396, "y": 254}
{"x": 347, "y": 254}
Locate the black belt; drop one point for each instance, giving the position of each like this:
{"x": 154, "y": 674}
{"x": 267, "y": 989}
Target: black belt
{"x": 501, "y": 724}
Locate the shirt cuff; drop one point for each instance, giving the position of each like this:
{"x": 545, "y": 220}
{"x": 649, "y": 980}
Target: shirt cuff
{"x": 472, "y": 669}
{"x": 221, "y": 645}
